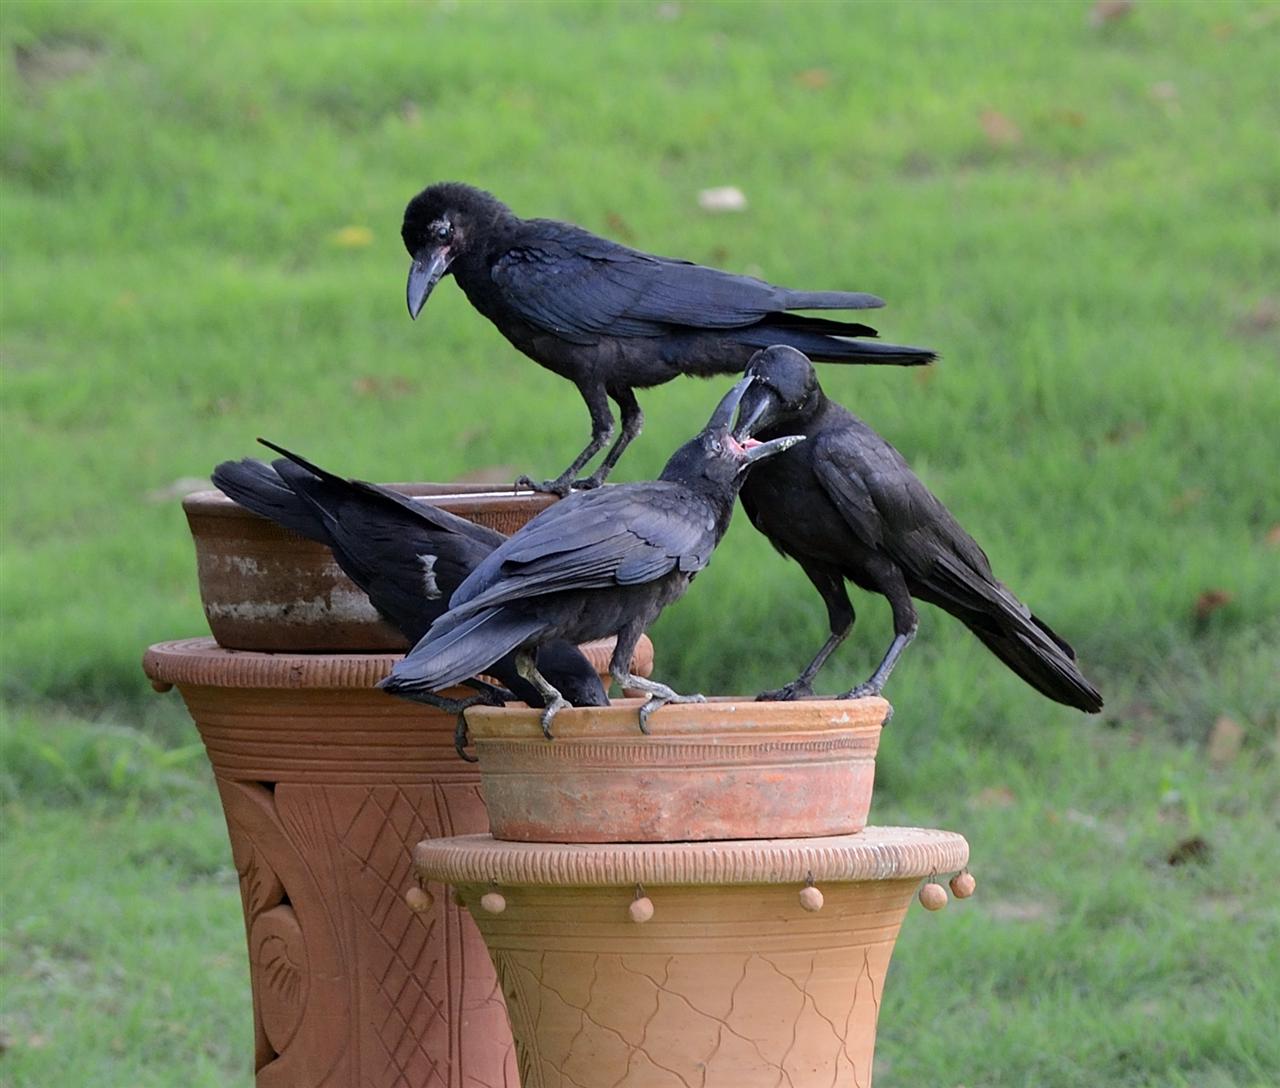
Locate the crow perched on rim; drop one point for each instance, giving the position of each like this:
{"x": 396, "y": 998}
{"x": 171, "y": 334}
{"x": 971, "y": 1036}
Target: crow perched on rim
{"x": 846, "y": 505}
{"x": 599, "y": 563}
{"x": 409, "y": 557}
{"x": 612, "y": 319}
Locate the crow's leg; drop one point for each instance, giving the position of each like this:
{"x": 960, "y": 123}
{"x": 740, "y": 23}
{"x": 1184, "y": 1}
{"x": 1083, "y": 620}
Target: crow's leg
{"x": 905, "y": 621}
{"x": 659, "y": 694}
{"x": 486, "y": 694}
{"x": 552, "y": 700}
{"x": 632, "y": 425}
{"x": 597, "y": 401}
{"x": 840, "y": 617}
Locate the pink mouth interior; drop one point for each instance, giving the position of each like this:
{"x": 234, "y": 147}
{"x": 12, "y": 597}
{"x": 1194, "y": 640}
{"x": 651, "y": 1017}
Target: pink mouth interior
{"x": 746, "y": 445}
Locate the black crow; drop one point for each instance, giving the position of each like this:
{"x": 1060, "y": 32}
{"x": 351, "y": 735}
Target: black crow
{"x": 846, "y": 505}
{"x": 409, "y": 557}
{"x": 599, "y": 563}
{"x": 612, "y": 319}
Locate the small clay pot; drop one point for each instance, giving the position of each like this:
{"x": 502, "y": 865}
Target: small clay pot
{"x": 266, "y": 588}
{"x": 724, "y": 769}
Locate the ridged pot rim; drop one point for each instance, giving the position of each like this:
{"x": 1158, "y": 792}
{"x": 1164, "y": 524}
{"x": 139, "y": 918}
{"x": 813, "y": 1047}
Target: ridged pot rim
{"x": 202, "y": 662}
{"x": 719, "y": 715}
{"x": 460, "y": 499}
{"x": 875, "y": 853}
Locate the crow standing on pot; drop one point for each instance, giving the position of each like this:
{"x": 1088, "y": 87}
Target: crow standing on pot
{"x": 612, "y": 319}
{"x": 408, "y": 557}
{"x": 846, "y": 505}
{"x": 599, "y": 563}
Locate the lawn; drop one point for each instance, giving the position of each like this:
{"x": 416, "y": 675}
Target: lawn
{"x": 199, "y": 215}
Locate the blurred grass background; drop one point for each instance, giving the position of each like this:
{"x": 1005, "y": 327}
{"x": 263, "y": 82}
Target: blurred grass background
{"x": 199, "y": 214}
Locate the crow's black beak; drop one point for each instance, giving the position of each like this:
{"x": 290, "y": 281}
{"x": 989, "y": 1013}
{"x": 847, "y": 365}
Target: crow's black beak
{"x": 425, "y": 272}
{"x": 758, "y": 451}
{"x": 722, "y": 418}
{"x": 754, "y": 410}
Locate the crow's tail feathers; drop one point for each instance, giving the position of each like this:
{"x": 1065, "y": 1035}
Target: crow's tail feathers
{"x": 830, "y": 349}
{"x": 308, "y": 466}
{"x": 962, "y": 583}
{"x": 456, "y": 650}
{"x": 832, "y": 300}
{"x": 259, "y": 488}
{"x": 826, "y": 341}
{"x": 1045, "y": 661}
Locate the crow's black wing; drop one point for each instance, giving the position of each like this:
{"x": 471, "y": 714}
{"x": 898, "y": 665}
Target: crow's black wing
{"x": 889, "y": 509}
{"x": 570, "y": 282}
{"x": 624, "y": 535}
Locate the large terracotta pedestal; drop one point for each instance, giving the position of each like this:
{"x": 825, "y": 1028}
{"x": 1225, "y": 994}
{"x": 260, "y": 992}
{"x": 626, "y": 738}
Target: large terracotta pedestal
{"x": 733, "y": 981}
{"x": 327, "y": 784}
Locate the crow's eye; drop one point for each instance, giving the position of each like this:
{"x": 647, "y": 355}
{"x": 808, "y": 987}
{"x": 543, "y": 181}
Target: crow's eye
{"x": 716, "y": 447}
{"x": 442, "y": 231}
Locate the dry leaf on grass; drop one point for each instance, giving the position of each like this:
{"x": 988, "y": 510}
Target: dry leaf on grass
{"x": 352, "y": 237}
{"x": 1225, "y": 741}
{"x": 1000, "y": 130}
{"x": 1195, "y": 849}
{"x": 1108, "y": 11}
{"x": 1211, "y": 600}
{"x": 724, "y": 198}
{"x": 619, "y": 227}
{"x": 814, "y": 78}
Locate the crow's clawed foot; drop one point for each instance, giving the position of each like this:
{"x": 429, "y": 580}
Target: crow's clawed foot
{"x": 587, "y": 483}
{"x": 559, "y": 486}
{"x": 549, "y": 714}
{"x": 659, "y": 699}
{"x": 786, "y": 694}
{"x": 861, "y": 691}
{"x": 461, "y": 738}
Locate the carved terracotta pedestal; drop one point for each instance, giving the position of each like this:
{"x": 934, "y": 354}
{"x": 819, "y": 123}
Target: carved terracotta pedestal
{"x": 733, "y": 981}
{"x": 327, "y": 784}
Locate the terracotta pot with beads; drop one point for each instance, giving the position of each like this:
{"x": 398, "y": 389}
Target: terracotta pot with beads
{"x": 742, "y": 963}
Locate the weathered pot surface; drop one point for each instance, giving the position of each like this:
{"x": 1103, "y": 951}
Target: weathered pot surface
{"x": 725, "y": 769}
{"x": 327, "y": 784}
{"x": 726, "y": 965}
{"x": 266, "y": 588}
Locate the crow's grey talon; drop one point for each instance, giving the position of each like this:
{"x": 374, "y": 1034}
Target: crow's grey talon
{"x": 558, "y": 486}
{"x": 785, "y": 694}
{"x": 860, "y": 692}
{"x": 549, "y": 714}
{"x": 461, "y": 736}
{"x": 587, "y": 483}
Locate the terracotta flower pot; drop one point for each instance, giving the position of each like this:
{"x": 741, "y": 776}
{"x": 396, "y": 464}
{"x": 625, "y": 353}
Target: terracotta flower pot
{"x": 327, "y": 784}
{"x": 715, "y": 964}
{"x": 724, "y": 769}
{"x": 266, "y": 588}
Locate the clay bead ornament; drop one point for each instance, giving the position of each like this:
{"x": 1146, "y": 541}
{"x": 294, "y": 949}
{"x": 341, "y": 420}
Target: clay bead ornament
{"x": 933, "y": 896}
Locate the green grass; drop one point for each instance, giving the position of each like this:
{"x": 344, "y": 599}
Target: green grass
{"x": 1100, "y": 276}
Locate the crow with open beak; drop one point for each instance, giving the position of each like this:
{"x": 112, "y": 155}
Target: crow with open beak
{"x": 846, "y": 505}
{"x": 599, "y": 563}
{"x": 612, "y": 319}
